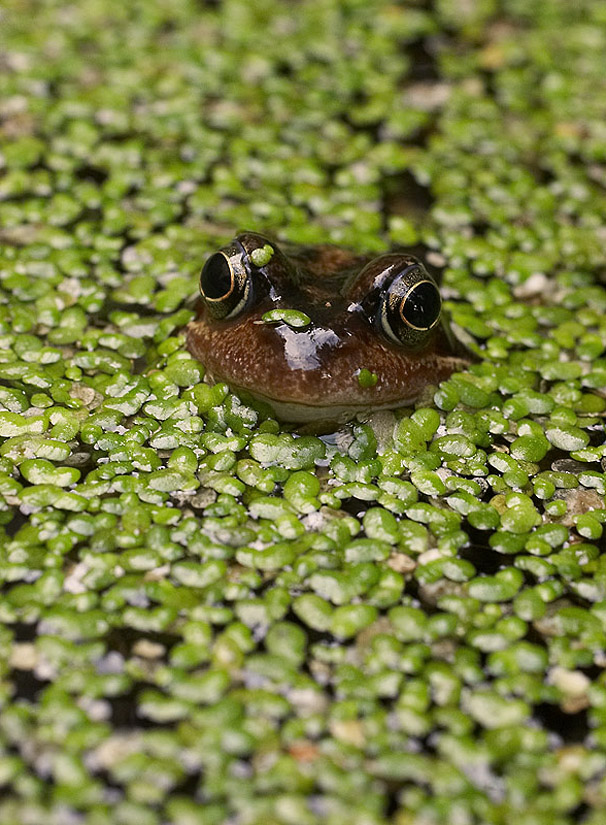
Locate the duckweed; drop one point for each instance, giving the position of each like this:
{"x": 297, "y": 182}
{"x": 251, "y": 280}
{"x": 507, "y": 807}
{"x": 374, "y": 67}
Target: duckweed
{"x": 261, "y": 257}
{"x": 208, "y": 616}
{"x": 292, "y": 317}
{"x": 366, "y": 378}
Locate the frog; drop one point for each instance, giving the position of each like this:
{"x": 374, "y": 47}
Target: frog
{"x": 321, "y": 332}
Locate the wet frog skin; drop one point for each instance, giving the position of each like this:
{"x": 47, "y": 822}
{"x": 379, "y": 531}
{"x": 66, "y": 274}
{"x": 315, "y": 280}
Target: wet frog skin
{"x": 356, "y": 313}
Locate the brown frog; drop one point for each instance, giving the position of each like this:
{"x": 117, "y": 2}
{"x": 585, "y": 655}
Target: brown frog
{"x": 363, "y": 333}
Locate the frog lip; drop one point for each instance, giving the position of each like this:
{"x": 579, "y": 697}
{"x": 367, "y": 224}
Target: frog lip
{"x": 338, "y": 406}
{"x": 303, "y": 413}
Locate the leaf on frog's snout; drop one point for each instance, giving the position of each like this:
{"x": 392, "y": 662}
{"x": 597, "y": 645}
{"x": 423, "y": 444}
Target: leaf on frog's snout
{"x": 293, "y": 317}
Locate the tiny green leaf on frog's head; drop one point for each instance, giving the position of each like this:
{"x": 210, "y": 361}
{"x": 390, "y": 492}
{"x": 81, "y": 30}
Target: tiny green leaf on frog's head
{"x": 366, "y": 378}
{"x": 262, "y": 255}
{"x": 292, "y": 317}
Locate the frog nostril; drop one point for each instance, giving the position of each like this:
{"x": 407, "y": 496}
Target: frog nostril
{"x": 217, "y": 278}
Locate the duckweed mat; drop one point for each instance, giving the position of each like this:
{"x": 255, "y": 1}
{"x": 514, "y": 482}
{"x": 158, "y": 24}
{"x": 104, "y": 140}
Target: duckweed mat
{"x": 207, "y": 619}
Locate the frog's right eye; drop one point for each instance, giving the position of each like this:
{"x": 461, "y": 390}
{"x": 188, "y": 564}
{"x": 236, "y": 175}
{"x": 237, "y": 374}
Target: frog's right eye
{"x": 225, "y": 285}
{"x": 409, "y": 308}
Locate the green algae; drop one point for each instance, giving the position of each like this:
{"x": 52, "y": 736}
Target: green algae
{"x": 206, "y": 617}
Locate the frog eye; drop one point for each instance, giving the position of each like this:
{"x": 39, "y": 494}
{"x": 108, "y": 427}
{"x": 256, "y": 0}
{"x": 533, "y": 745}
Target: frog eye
{"x": 410, "y": 307}
{"x": 225, "y": 285}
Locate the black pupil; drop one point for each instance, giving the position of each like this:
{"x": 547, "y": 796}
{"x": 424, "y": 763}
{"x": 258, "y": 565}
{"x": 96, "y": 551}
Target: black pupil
{"x": 421, "y": 306}
{"x": 215, "y": 279}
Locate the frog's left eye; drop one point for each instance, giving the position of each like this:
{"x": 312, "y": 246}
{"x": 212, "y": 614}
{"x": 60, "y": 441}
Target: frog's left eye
{"x": 225, "y": 285}
{"x": 410, "y": 306}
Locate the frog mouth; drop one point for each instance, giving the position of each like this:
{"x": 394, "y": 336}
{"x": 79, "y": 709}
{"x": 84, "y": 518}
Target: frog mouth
{"x": 322, "y": 407}
{"x": 303, "y": 413}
